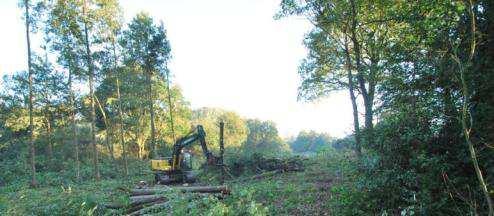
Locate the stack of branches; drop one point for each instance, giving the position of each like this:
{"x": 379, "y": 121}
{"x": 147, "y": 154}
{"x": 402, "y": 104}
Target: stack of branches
{"x": 259, "y": 164}
{"x": 154, "y": 199}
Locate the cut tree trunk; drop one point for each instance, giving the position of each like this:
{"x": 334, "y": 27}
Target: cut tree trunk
{"x": 138, "y": 200}
{"x": 197, "y": 189}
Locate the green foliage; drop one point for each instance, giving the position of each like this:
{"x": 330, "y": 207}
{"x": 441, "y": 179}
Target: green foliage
{"x": 415, "y": 65}
{"x": 263, "y": 138}
{"x": 310, "y": 141}
{"x": 238, "y": 203}
{"x": 146, "y": 50}
{"x": 235, "y": 131}
{"x": 61, "y": 194}
{"x": 278, "y": 194}
{"x": 410, "y": 56}
{"x": 145, "y": 44}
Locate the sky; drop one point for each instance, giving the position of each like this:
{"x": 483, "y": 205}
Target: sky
{"x": 229, "y": 54}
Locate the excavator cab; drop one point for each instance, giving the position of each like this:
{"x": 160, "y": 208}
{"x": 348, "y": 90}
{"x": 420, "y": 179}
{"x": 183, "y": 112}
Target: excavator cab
{"x": 178, "y": 168}
{"x": 187, "y": 160}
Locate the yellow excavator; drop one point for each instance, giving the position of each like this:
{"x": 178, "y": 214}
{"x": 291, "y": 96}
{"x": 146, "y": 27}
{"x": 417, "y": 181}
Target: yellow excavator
{"x": 178, "y": 167}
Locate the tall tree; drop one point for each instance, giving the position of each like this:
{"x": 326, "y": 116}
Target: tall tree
{"x": 120, "y": 112}
{"x": 80, "y": 25}
{"x": 32, "y": 152}
{"x": 146, "y": 48}
{"x": 107, "y": 59}
{"x": 114, "y": 74}
{"x": 91, "y": 74}
{"x": 65, "y": 33}
{"x": 422, "y": 136}
{"x": 330, "y": 64}
{"x": 109, "y": 38}
{"x": 346, "y": 39}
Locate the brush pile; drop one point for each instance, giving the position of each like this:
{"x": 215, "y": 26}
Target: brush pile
{"x": 260, "y": 164}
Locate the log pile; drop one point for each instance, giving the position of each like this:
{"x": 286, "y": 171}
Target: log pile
{"x": 152, "y": 199}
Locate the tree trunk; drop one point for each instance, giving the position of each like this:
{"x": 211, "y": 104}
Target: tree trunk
{"x": 32, "y": 151}
{"x": 74, "y": 129}
{"x": 152, "y": 144}
{"x": 353, "y": 98}
{"x": 121, "y": 128}
{"x": 222, "y": 151}
{"x": 108, "y": 128}
{"x": 369, "y": 115}
{"x": 466, "y": 115}
{"x": 121, "y": 135}
{"x": 367, "y": 95}
{"x": 91, "y": 95}
{"x": 140, "y": 139}
{"x": 120, "y": 112}
{"x": 48, "y": 116}
{"x": 49, "y": 137}
{"x": 369, "y": 102}
{"x": 170, "y": 105}
{"x": 64, "y": 118}
{"x": 109, "y": 141}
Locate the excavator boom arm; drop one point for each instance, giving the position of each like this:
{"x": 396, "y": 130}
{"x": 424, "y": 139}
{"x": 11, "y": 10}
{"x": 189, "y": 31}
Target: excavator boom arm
{"x": 197, "y": 134}
{"x": 169, "y": 171}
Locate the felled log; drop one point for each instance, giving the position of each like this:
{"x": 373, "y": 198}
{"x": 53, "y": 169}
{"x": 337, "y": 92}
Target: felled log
{"x": 204, "y": 189}
{"x": 196, "y": 189}
{"x": 138, "y": 200}
{"x": 148, "y": 209}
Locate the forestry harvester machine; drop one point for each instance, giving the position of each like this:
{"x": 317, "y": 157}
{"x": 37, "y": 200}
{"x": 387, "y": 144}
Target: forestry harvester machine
{"x": 178, "y": 167}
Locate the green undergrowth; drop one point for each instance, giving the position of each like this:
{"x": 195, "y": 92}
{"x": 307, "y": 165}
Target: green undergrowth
{"x": 315, "y": 191}
{"x": 292, "y": 193}
{"x": 59, "y": 193}
{"x": 309, "y": 192}
{"x": 77, "y": 199}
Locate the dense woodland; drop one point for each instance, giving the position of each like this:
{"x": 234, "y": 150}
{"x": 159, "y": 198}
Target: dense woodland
{"x": 97, "y": 101}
